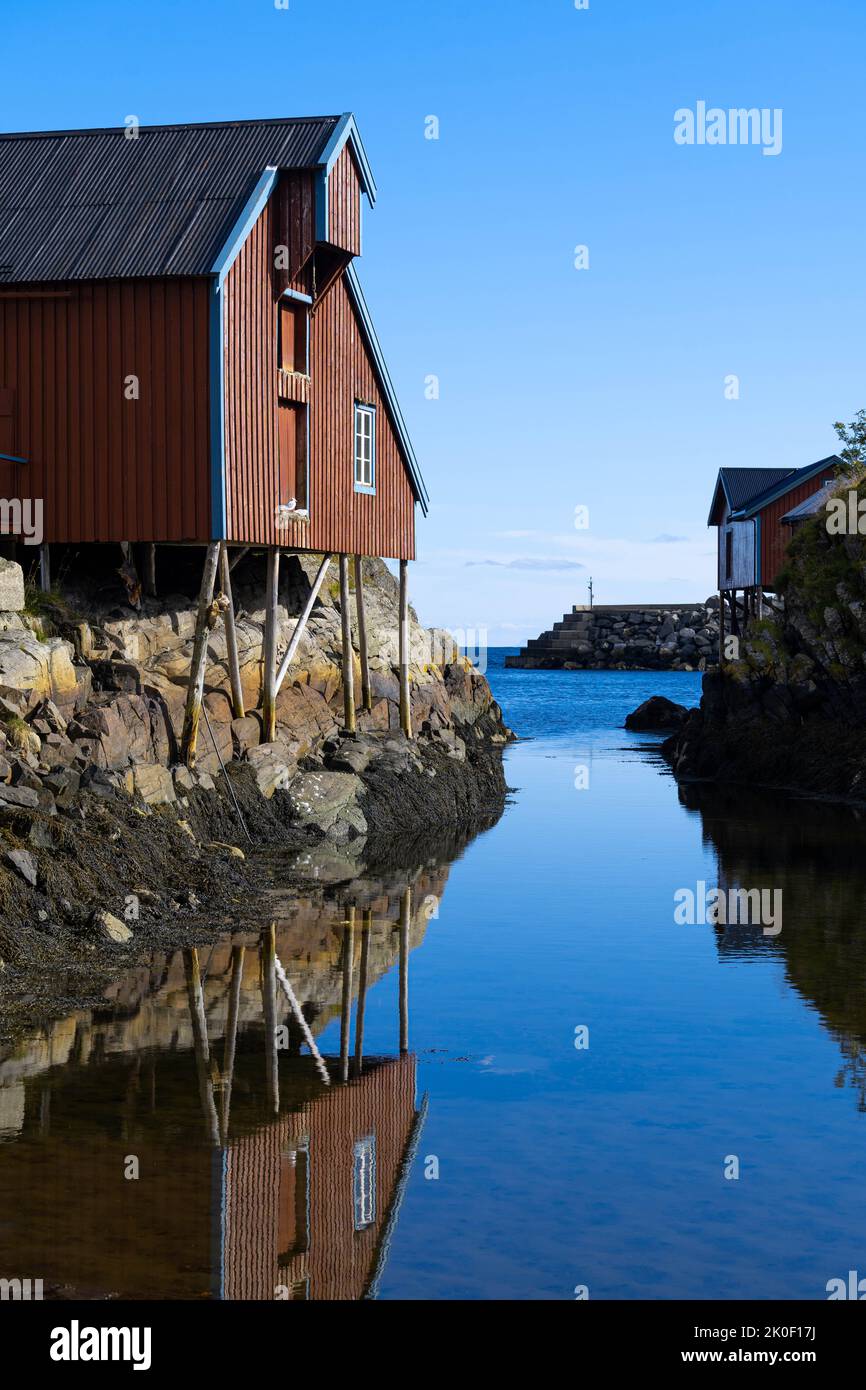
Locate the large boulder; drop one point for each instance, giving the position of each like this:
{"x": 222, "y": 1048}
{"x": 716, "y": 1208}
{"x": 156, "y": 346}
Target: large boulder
{"x": 656, "y": 715}
{"x": 11, "y": 587}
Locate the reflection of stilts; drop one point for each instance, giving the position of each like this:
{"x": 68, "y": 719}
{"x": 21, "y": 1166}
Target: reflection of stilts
{"x": 238, "y": 953}
{"x": 346, "y": 1014}
{"x": 269, "y": 1006}
{"x": 301, "y": 1021}
{"x": 405, "y": 919}
{"x": 200, "y": 1043}
{"x": 362, "y": 992}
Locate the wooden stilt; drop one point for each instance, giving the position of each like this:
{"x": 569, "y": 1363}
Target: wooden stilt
{"x": 346, "y": 1011}
{"x": 405, "y": 920}
{"x": 405, "y": 702}
{"x": 231, "y": 635}
{"x": 45, "y": 568}
{"x": 269, "y": 675}
{"x": 366, "y": 692}
{"x": 348, "y": 651}
{"x": 150, "y": 569}
{"x": 721, "y": 627}
{"x": 198, "y": 664}
{"x": 302, "y": 621}
{"x": 362, "y": 992}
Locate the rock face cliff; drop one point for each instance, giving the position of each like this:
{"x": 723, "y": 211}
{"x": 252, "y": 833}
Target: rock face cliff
{"x": 789, "y": 712}
{"x": 94, "y": 805}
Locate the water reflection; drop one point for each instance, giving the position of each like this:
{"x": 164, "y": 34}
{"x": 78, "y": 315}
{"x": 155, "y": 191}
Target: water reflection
{"x": 814, "y": 854}
{"x": 190, "y": 1140}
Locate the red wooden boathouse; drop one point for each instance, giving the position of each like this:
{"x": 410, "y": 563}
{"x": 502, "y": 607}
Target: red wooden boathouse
{"x": 186, "y": 355}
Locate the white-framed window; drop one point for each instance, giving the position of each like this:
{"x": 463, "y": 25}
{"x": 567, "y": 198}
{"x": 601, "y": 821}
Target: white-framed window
{"x": 365, "y": 447}
{"x": 364, "y": 1182}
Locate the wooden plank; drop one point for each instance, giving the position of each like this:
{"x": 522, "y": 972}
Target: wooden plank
{"x": 231, "y": 635}
{"x": 269, "y": 674}
{"x": 302, "y": 622}
{"x": 348, "y": 650}
{"x": 366, "y": 691}
{"x": 405, "y": 700}
{"x": 198, "y": 664}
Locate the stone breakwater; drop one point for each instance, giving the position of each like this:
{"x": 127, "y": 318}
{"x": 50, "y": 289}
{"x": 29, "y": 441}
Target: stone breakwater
{"x": 675, "y": 637}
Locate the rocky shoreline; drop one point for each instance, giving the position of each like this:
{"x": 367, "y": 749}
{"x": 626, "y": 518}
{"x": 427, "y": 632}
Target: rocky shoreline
{"x": 109, "y": 847}
{"x": 788, "y": 713}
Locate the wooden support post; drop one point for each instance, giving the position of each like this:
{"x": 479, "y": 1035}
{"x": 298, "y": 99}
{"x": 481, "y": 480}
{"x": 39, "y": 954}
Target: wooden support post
{"x": 366, "y": 692}
{"x": 45, "y": 568}
{"x": 405, "y": 702}
{"x": 362, "y": 992}
{"x": 269, "y": 673}
{"x": 198, "y": 664}
{"x": 236, "y": 559}
{"x": 302, "y": 621}
{"x": 346, "y": 1011}
{"x": 348, "y": 651}
{"x": 150, "y": 569}
{"x": 405, "y": 920}
{"x": 721, "y": 627}
{"x": 231, "y": 635}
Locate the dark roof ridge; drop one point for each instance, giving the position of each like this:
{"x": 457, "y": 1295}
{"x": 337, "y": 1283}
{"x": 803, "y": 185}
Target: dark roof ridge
{"x": 177, "y": 125}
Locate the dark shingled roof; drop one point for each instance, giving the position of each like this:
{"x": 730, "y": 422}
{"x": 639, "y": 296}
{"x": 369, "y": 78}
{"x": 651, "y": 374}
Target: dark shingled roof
{"x": 92, "y": 204}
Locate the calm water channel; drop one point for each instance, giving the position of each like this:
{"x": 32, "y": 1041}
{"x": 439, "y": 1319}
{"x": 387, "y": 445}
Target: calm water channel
{"x": 446, "y": 1138}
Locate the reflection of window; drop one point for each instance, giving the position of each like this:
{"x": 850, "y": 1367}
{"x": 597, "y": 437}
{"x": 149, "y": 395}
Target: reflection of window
{"x": 294, "y": 1211}
{"x": 365, "y": 448}
{"x": 364, "y": 1182}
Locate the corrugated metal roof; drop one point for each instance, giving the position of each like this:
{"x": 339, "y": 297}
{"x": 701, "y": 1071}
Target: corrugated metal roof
{"x": 813, "y": 504}
{"x": 92, "y": 204}
{"x": 743, "y": 485}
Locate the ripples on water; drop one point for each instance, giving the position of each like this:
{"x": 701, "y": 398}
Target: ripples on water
{"x": 381, "y": 1096}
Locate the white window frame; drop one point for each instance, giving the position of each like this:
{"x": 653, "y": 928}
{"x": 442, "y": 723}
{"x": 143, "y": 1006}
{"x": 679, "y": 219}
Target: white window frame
{"x": 364, "y": 451}
{"x": 364, "y": 1182}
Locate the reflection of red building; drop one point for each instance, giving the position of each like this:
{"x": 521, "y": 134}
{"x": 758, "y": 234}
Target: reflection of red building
{"x": 307, "y": 1198}
{"x": 223, "y": 1203}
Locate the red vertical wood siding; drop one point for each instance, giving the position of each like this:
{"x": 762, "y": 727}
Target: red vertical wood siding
{"x": 341, "y": 372}
{"x": 774, "y": 535}
{"x": 344, "y": 204}
{"x": 296, "y": 229}
{"x": 108, "y": 468}
{"x": 340, "y": 1260}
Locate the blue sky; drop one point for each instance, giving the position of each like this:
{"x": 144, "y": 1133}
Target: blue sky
{"x": 559, "y": 388}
